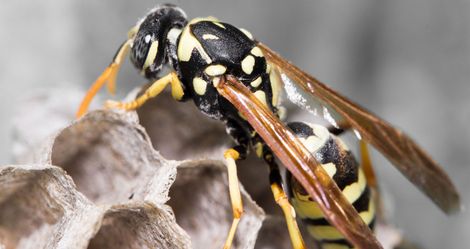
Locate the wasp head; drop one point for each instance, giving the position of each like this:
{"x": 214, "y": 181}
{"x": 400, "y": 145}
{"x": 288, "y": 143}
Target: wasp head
{"x": 150, "y": 44}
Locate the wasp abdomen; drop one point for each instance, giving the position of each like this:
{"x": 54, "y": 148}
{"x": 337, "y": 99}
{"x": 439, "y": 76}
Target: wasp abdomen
{"x": 342, "y": 167}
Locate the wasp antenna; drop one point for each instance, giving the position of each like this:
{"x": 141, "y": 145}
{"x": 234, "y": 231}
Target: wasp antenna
{"x": 116, "y": 65}
{"x": 108, "y": 76}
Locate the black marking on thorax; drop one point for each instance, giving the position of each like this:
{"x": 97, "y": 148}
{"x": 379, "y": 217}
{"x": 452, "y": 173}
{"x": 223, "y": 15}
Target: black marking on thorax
{"x": 227, "y": 46}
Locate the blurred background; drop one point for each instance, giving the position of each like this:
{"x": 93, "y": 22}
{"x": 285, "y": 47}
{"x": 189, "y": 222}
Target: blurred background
{"x": 406, "y": 60}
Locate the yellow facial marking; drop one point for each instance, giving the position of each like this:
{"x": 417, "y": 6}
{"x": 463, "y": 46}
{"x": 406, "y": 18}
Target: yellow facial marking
{"x": 199, "y": 85}
{"x": 257, "y": 52}
{"x": 209, "y": 37}
{"x": 247, "y": 33}
{"x": 151, "y": 55}
{"x": 255, "y": 83}
{"x": 215, "y": 70}
{"x": 261, "y": 96}
{"x": 248, "y": 64}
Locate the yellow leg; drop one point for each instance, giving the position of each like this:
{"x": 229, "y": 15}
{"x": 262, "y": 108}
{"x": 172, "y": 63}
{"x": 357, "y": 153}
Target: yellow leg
{"x": 289, "y": 213}
{"x": 108, "y": 76}
{"x": 154, "y": 90}
{"x": 371, "y": 180}
{"x": 367, "y": 164}
{"x": 235, "y": 196}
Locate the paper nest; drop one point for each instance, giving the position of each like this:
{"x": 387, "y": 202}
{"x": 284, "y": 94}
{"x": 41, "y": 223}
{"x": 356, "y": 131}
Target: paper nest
{"x": 101, "y": 182}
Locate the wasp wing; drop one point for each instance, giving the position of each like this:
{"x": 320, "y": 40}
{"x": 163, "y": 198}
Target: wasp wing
{"x": 400, "y": 149}
{"x": 299, "y": 161}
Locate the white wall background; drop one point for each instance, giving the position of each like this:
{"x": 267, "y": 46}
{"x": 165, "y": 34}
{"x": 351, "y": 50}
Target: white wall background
{"x": 408, "y": 60}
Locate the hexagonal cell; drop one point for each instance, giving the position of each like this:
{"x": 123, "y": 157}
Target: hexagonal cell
{"x": 141, "y": 226}
{"x": 201, "y": 202}
{"x": 111, "y": 160}
{"x": 37, "y": 206}
{"x": 273, "y": 234}
{"x": 180, "y": 131}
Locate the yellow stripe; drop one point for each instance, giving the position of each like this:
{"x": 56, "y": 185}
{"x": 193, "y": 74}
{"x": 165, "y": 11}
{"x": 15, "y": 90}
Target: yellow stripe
{"x": 247, "y": 33}
{"x": 330, "y": 168}
{"x": 353, "y": 191}
{"x": 188, "y": 42}
{"x": 306, "y": 208}
{"x": 368, "y": 216}
{"x": 261, "y": 96}
{"x": 219, "y": 24}
{"x": 275, "y": 85}
{"x": 324, "y": 232}
{"x": 331, "y": 233}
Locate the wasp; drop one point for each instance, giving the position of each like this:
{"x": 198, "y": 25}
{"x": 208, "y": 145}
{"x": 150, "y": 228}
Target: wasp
{"x": 232, "y": 77}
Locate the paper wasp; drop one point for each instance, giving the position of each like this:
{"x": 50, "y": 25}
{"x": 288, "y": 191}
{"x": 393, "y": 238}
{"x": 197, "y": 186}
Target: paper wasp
{"x": 236, "y": 79}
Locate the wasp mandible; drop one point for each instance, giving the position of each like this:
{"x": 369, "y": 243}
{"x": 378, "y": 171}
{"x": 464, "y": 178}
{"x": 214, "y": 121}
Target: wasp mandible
{"x": 238, "y": 80}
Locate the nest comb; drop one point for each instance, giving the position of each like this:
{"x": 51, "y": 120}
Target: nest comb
{"x": 147, "y": 179}
{"x": 100, "y": 182}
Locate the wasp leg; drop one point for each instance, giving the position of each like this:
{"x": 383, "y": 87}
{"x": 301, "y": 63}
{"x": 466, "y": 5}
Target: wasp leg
{"x": 367, "y": 165}
{"x": 235, "y": 130}
{"x": 107, "y": 76}
{"x": 154, "y": 90}
{"x": 231, "y": 155}
{"x": 281, "y": 199}
{"x": 372, "y": 180}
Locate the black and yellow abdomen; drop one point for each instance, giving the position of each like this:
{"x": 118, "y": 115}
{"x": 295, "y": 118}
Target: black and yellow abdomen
{"x": 341, "y": 165}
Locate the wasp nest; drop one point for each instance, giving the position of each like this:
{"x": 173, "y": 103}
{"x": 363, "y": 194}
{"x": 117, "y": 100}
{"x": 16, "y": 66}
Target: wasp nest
{"x": 152, "y": 179}
{"x": 101, "y": 182}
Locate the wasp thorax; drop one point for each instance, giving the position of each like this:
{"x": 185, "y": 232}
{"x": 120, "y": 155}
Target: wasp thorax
{"x": 150, "y": 42}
